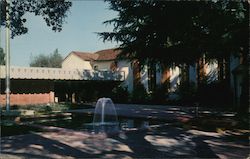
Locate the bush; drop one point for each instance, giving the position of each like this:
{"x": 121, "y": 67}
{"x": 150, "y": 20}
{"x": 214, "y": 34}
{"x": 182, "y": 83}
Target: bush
{"x": 120, "y": 94}
{"x": 93, "y": 91}
{"x": 160, "y": 94}
{"x": 215, "y": 94}
{"x": 187, "y": 93}
{"x": 139, "y": 94}
{"x": 43, "y": 108}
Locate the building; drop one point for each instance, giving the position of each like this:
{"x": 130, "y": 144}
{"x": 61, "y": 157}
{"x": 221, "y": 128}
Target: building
{"x": 34, "y": 85}
{"x": 104, "y": 60}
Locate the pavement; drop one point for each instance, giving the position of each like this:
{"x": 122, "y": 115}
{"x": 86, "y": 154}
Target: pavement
{"x": 157, "y": 141}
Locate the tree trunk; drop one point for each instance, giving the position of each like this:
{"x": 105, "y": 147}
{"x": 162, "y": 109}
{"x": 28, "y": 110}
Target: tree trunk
{"x": 200, "y": 70}
{"x": 224, "y": 70}
{"x": 185, "y": 73}
{"x": 152, "y": 76}
{"x": 136, "y": 73}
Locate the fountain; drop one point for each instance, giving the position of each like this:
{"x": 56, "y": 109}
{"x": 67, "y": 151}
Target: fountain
{"x": 105, "y": 117}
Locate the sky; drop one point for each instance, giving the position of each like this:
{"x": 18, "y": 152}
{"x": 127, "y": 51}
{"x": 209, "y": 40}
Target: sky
{"x": 78, "y": 33}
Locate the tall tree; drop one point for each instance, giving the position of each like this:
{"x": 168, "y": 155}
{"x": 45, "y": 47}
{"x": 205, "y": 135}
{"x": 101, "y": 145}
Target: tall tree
{"x": 40, "y": 61}
{"x": 178, "y": 32}
{"x": 53, "y": 12}
{"x": 53, "y": 60}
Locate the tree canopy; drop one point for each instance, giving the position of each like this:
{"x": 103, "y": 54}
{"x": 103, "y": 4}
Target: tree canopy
{"x": 52, "y": 60}
{"x": 182, "y": 31}
{"x": 53, "y": 12}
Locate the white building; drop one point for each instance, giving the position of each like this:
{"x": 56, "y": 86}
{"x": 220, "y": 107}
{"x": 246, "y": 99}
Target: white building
{"x": 105, "y": 60}
{"x": 82, "y": 68}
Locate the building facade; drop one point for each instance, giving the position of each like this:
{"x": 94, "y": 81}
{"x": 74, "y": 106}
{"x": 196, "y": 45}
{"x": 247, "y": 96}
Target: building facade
{"x": 34, "y": 85}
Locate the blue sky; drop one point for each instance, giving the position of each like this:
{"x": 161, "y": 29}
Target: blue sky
{"x": 84, "y": 19}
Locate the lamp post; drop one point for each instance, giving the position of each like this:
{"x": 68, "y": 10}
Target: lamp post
{"x": 7, "y": 50}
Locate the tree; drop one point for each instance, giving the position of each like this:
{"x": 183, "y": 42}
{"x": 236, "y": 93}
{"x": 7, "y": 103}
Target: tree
{"x": 53, "y": 60}
{"x": 2, "y": 55}
{"x": 179, "y": 32}
{"x": 53, "y": 12}
{"x": 40, "y": 61}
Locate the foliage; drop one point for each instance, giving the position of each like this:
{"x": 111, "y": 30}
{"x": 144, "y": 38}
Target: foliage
{"x": 2, "y": 57}
{"x": 160, "y": 94}
{"x": 43, "y": 109}
{"x": 139, "y": 94}
{"x": 187, "y": 92}
{"x": 223, "y": 97}
{"x": 53, "y": 12}
{"x": 178, "y": 31}
{"x": 91, "y": 92}
{"x": 52, "y": 60}
{"x": 120, "y": 94}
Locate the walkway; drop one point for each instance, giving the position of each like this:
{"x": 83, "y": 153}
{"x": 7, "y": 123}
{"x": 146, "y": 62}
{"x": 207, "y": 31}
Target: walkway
{"x": 164, "y": 142}
{"x": 156, "y": 142}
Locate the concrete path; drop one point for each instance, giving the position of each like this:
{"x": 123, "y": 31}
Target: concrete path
{"x": 156, "y": 142}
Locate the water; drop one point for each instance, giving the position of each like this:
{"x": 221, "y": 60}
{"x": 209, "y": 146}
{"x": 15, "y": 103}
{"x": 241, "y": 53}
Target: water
{"x": 84, "y": 122}
{"x": 104, "y": 120}
{"x": 105, "y": 117}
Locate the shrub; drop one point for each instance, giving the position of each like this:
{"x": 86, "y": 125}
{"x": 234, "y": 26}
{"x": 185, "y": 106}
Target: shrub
{"x": 120, "y": 94}
{"x": 44, "y": 108}
{"x": 187, "y": 92}
{"x": 139, "y": 94}
{"x": 215, "y": 94}
{"x": 160, "y": 94}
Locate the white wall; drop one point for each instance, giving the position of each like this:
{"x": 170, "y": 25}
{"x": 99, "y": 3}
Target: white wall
{"x": 74, "y": 62}
{"x": 125, "y": 66}
{"x": 144, "y": 77}
{"x": 102, "y": 65}
{"x": 174, "y": 78}
{"x": 211, "y": 71}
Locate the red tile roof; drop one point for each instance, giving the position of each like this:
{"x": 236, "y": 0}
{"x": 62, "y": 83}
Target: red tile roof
{"x": 106, "y": 55}
{"x": 103, "y": 55}
{"x": 85, "y": 55}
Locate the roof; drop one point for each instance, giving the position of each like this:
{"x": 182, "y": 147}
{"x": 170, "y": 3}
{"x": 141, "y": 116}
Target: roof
{"x": 106, "y": 55}
{"x": 45, "y": 73}
{"x": 85, "y": 55}
{"x": 103, "y": 55}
